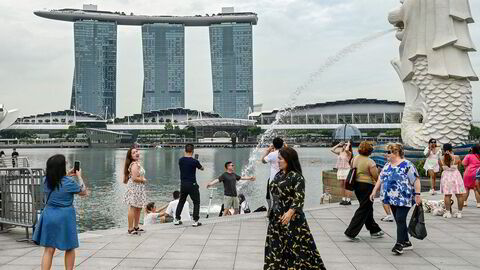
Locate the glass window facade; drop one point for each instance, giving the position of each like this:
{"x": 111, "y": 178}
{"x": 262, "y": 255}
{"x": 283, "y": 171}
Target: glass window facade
{"x": 163, "y": 66}
{"x": 94, "y": 85}
{"x": 232, "y": 69}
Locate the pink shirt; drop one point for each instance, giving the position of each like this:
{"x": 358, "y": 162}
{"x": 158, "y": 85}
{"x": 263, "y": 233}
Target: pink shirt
{"x": 343, "y": 161}
{"x": 471, "y": 163}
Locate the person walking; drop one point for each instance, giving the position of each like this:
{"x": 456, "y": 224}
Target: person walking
{"x": 365, "y": 179}
{"x": 401, "y": 186}
{"x": 229, "y": 180}
{"x": 451, "y": 182}
{"x": 344, "y": 152}
{"x": 135, "y": 197}
{"x": 57, "y": 225}
{"x": 188, "y": 185}
{"x": 289, "y": 243}
{"x": 15, "y": 158}
{"x": 431, "y": 166}
{"x": 472, "y": 164}
{"x": 271, "y": 157}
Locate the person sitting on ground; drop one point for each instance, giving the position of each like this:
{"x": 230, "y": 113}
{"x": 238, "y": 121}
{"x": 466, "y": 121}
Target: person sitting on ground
{"x": 451, "y": 181}
{"x": 152, "y": 214}
{"x": 172, "y": 209}
{"x": 244, "y": 207}
{"x": 229, "y": 179}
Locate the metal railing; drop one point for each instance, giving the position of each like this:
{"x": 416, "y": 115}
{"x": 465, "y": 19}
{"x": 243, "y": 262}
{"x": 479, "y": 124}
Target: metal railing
{"x": 18, "y": 162}
{"x": 21, "y": 197}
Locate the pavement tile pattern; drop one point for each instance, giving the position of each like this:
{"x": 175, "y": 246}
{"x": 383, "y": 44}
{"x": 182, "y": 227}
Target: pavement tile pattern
{"x": 238, "y": 243}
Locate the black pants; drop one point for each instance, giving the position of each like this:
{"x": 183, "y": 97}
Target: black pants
{"x": 364, "y": 213}
{"x": 189, "y": 189}
{"x": 400, "y": 214}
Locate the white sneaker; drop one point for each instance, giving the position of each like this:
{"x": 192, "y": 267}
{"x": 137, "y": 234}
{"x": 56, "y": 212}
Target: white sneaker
{"x": 465, "y": 204}
{"x": 387, "y": 218}
{"x": 458, "y": 215}
{"x": 447, "y": 215}
{"x": 177, "y": 222}
{"x": 478, "y": 205}
{"x": 432, "y": 191}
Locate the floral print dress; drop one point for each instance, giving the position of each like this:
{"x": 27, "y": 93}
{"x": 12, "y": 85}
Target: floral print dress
{"x": 135, "y": 195}
{"x": 291, "y": 246}
{"x": 398, "y": 183}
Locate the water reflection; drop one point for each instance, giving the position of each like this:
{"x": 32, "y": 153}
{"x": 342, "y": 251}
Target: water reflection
{"x": 103, "y": 171}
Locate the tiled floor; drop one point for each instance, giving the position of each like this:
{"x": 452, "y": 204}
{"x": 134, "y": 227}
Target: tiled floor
{"x": 238, "y": 243}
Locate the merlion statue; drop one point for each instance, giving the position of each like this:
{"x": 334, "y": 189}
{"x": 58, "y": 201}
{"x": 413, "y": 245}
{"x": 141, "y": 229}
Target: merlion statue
{"x": 435, "y": 69}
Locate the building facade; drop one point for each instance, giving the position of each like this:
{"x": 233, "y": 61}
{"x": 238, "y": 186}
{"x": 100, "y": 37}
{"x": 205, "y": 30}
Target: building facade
{"x": 232, "y": 69}
{"x": 94, "y": 80}
{"x": 164, "y": 66}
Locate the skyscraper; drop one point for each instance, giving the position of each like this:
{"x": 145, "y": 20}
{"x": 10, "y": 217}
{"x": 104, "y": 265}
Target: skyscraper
{"x": 232, "y": 69}
{"x": 94, "y": 79}
{"x": 163, "y": 65}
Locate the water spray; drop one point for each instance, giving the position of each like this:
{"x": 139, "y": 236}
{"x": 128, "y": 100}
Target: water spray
{"x": 289, "y": 106}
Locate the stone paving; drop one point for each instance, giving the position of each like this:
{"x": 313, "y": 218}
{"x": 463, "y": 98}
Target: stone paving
{"x": 238, "y": 243}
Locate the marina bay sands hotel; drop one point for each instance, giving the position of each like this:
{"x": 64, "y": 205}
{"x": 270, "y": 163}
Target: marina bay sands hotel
{"x": 163, "y": 41}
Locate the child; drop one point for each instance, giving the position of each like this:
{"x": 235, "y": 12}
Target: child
{"x": 152, "y": 214}
{"x": 451, "y": 181}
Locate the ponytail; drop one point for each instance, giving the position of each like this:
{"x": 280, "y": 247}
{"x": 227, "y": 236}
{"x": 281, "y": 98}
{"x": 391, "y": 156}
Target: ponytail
{"x": 447, "y": 159}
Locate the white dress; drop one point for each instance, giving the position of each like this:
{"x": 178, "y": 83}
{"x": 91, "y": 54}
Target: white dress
{"x": 432, "y": 160}
{"x": 135, "y": 195}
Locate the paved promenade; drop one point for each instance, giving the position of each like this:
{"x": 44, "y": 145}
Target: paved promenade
{"x": 238, "y": 243}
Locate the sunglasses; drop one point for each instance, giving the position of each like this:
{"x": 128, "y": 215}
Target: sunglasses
{"x": 389, "y": 152}
{"x": 433, "y": 142}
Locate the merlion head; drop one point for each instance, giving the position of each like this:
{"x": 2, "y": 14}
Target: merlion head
{"x": 437, "y": 30}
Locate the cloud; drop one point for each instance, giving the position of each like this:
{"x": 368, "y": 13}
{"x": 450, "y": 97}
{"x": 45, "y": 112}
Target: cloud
{"x": 292, "y": 39}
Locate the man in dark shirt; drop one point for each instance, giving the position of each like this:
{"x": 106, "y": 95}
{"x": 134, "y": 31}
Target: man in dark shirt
{"x": 188, "y": 185}
{"x": 14, "y": 157}
{"x": 229, "y": 180}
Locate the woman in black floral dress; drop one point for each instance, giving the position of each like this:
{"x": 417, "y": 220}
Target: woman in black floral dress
{"x": 289, "y": 244}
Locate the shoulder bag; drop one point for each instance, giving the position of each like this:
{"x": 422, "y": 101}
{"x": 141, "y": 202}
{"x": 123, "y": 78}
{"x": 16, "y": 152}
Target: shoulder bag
{"x": 350, "y": 181}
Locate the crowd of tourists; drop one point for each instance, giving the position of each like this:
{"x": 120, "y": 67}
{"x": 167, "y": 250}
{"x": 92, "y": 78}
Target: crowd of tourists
{"x": 399, "y": 184}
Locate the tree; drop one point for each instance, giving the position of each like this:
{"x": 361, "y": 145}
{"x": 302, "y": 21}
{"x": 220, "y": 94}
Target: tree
{"x": 474, "y": 132}
{"x": 254, "y": 131}
{"x": 168, "y": 126}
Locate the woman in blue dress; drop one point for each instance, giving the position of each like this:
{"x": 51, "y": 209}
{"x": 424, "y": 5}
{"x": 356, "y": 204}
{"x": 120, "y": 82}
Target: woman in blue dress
{"x": 57, "y": 227}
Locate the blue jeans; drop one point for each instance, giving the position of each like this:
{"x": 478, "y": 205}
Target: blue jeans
{"x": 400, "y": 214}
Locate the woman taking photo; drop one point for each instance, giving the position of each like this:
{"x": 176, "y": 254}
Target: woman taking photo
{"x": 401, "y": 186}
{"x": 432, "y": 167}
{"x": 472, "y": 164}
{"x": 289, "y": 243}
{"x": 135, "y": 197}
{"x": 366, "y": 176}
{"x": 57, "y": 226}
{"x": 345, "y": 154}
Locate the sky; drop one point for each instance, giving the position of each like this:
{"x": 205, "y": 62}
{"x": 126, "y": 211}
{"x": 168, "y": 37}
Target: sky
{"x": 293, "y": 38}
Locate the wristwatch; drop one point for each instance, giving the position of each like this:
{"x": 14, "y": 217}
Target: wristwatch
{"x": 416, "y": 193}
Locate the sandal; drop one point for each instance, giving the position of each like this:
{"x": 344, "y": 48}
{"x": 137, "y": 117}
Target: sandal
{"x": 139, "y": 230}
{"x": 132, "y": 232}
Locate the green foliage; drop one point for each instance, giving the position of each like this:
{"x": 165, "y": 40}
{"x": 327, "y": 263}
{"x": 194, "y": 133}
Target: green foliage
{"x": 168, "y": 126}
{"x": 474, "y": 132}
{"x": 19, "y": 134}
{"x": 393, "y": 133}
{"x": 419, "y": 166}
{"x": 254, "y": 131}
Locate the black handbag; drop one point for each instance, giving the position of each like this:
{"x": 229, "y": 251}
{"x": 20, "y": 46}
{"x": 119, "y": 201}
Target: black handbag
{"x": 416, "y": 227}
{"x": 350, "y": 181}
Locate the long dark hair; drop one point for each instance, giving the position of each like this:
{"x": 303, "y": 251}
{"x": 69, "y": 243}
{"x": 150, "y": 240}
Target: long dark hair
{"x": 291, "y": 157}
{"x": 56, "y": 170}
{"x": 350, "y": 150}
{"x": 128, "y": 161}
{"x": 447, "y": 158}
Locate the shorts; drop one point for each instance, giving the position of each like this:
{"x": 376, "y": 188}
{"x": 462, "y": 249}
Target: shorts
{"x": 230, "y": 202}
{"x": 342, "y": 174}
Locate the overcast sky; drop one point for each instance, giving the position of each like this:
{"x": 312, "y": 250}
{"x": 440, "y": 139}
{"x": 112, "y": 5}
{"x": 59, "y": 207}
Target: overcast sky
{"x": 292, "y": 39}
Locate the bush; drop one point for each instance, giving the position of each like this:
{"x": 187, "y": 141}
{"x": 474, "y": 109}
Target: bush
{"x": 419, "y": 166}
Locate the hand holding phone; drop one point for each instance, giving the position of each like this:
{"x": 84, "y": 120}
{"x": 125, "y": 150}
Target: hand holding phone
{"x": 76, "y": 166}
{"x": 196, "y": 156}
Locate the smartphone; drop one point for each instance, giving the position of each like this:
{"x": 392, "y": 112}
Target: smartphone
{"x": 76, "y": 166}
{"x": 196, "y": 156}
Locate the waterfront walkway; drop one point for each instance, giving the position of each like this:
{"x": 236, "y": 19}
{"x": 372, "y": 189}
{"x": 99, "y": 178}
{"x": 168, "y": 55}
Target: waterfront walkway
{"x": 238, "y": 243}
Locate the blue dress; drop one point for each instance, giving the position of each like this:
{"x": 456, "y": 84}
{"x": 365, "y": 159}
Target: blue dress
{"x": 57, "y": 226}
